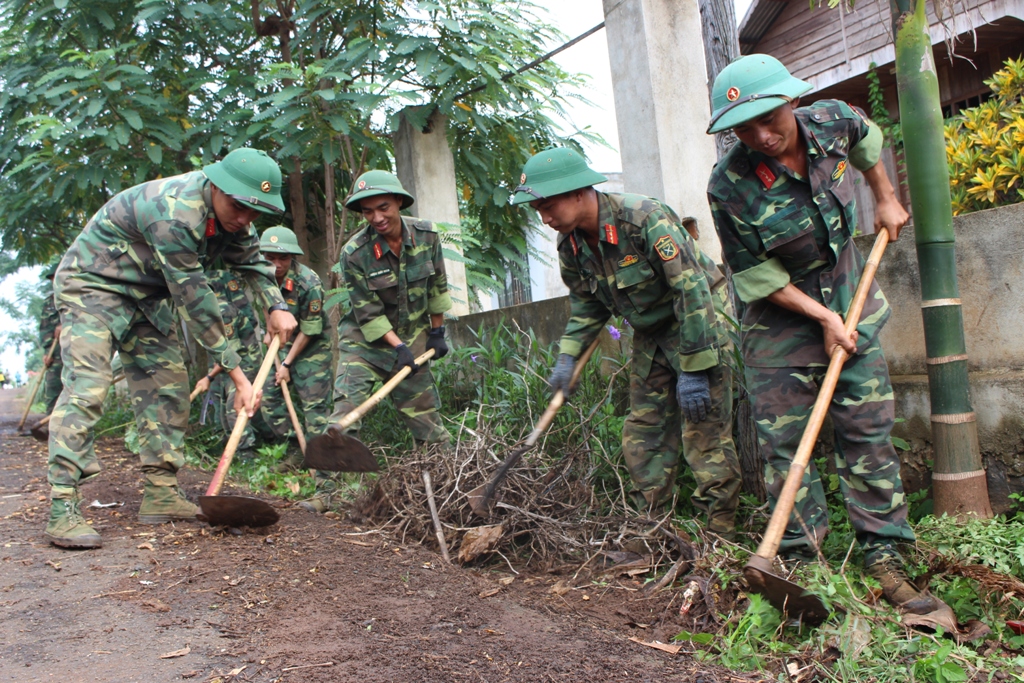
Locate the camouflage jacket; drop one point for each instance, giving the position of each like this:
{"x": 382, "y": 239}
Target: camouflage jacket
{"x": 389, "y": 292}
{"x": 649, "y": 271}
{"x": 145, "y": 251}
{"x": 49, "y": 321}
{"x": 240, "y": 322}
{"x": 304, "y": 294}
{"x": 778, "y": 228}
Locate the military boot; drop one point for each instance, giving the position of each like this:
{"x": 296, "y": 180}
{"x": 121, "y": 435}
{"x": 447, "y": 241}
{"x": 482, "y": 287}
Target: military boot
{"x": 324, "y": 496}
{"x": 67, "y": 527}
{"x": 292, "y": 459}
{"x": 899, "y": 590}
{"x": 164, "y": 501}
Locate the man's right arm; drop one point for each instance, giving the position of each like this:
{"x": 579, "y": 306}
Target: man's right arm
{"x": 587, "y": 314}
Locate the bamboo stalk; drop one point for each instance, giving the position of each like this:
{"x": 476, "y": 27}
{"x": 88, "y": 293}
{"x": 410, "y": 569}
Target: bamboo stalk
{"x": 959, "y": 482}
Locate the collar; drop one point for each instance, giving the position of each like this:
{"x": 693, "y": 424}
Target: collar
{"x": 380, "y": 245}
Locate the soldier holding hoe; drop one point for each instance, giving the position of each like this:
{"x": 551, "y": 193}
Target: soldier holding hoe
{"x": 398, "y": 291}
{"x": 139, "y": 257}
{"x": 783, "y": 205}
{"x": 630, "y": 255}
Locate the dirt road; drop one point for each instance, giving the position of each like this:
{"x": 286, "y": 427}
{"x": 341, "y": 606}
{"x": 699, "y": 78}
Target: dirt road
{"x": 309, "y": 599}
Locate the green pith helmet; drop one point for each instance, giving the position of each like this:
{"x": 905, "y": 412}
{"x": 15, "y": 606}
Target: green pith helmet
{"x": 251, "y": 177}
{"x": 280, "y": 240}
{"x": 552, "y": 172}
{"x": 373, "y": 183}
{"x": 749, "y": 87}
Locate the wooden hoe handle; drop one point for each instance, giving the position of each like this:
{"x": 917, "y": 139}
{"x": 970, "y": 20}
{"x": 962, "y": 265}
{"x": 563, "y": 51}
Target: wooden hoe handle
{"x": 784, "y": 505}
{"x": 240, "y": 422}
{"x": 379, "y": 395}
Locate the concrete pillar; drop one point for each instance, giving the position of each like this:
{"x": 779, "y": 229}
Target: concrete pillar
{"x": 661, "y": 103}
{"x": 426, "y": 169}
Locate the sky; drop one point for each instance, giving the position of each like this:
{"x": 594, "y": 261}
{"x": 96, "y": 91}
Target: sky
{"x": 590, "y": 57}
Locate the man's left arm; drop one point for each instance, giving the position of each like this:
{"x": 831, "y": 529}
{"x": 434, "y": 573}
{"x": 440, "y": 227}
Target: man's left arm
{"x": 439, "y": 299}
{"x": 671, "y": 252}
{"x": 244, "y": 256}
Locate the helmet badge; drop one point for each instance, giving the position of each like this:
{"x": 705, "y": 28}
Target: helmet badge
{"x": 522, "y": 179}
{"x": 732, "y": 94}
{"x": 265, "y": 186}
{"x": 362, "y": 184}
{"x": 273, "y": 239}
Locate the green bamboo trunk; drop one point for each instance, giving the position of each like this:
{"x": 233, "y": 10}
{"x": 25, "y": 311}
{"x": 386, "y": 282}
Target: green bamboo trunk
{"x": 959, "y": 485}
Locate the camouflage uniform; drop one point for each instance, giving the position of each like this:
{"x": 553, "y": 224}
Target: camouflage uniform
{"x": 141, "y": 256}
{"x": 240, "y": 324}
{"x": 778, "y": 228}
{"x": 49, "y": 321}
{"x": 392, "y": 292}
{"x": 651, "y": 272}
{"x": 311, "y": 376}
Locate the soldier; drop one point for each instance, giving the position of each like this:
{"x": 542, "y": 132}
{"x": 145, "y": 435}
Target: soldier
{"x": 398, "y": 293}
{"x": 306, "y": 364}
{"x": 49, "y": 329}
{"x": 137, "y": 259}
{"x": 629, "y": 255}
{"x": 241, "y": 324}
{"x": 784, "y": 209}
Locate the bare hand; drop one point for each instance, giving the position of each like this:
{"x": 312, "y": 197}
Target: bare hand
{"x": 202, "y": 386}
{"x": 891, "y": 215}
{"x": 281, "y": 323}
{"x": 835, "y": 335}
{"x": 47, "y": 361}
{"x": 244, "y": 395}
{"x": 283, "y": 374}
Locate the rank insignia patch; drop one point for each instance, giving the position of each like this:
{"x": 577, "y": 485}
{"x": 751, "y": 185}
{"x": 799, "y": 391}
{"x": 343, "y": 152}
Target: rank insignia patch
{"x": 233, "y": 285}
{"x": 611, "y": 234}
{"x": 377, "y": 251}
{"x": 667, "y": 248}
{"x": 314, "y": 306}
{"x": 840, "y": 170}
{"x": 630, "y": 260}
{"x": 289, "y": 285}
{"x": 765, "y": 175}
{"x": 211, "y": 226}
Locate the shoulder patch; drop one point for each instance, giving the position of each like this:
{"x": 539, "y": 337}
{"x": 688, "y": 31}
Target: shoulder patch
{"x": 424, "y": 225}
{"x": 666, "y": 247}
{"x": 233, "y": 285}
{"x": 315, "y": 305}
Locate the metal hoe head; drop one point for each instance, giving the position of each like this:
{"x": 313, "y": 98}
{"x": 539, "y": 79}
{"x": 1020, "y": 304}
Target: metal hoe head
{"x": 786, "y": 596}
{"x": 237, "y": 511}
{"x": 336, "y": 451}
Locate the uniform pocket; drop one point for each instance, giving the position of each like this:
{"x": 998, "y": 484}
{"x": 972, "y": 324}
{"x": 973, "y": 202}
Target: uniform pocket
{"x": 789, "y": 234}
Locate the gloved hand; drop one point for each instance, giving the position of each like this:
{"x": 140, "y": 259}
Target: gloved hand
{"x": 561, "y": 376}
{"x": 694, "y": 395}
{"x": 435, "y": 340}
{"x": 405, "y": 359}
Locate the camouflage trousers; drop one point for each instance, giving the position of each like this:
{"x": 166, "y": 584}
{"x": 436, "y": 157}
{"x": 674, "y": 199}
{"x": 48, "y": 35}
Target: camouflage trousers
{"x": 867, "y": 464}
{"x": 415, "y": 397}
{"x": 157, "y": 385}
{"x": 651, "y": 440}
{"x": 310, "y": 390}
{"x": 224, "y": 393}
{"x": 51, "y": 388}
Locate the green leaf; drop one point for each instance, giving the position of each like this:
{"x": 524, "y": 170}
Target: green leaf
{"x": 113, "y": 84}
{"x": 331, "y": 150}
{"x": 133, "y": 118}
{"x": 121, "y": 133}
{"x": 95, "y": 106}
{"x": 60, "y": 4}
{"x": 155, "y": 152}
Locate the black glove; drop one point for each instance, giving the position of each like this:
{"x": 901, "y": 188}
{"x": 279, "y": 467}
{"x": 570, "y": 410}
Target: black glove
{"x": 694, "y": 395}
{"x": 561, "y": 376}
{"x": 435, "y": 340}
{"x": 405, "y": 359}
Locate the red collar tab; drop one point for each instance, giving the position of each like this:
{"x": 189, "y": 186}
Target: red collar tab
{"x": 766, "y": 175}
{"x": 211, "y": 226}
{"x": 289, "y": 284}
{"x": 575, "y": 247}
{"x": 377, "y": 251}
{"x": 611, "y": 234}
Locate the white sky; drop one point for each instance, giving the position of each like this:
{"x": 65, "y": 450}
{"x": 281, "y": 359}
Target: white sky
{"x": 590, "y": 57}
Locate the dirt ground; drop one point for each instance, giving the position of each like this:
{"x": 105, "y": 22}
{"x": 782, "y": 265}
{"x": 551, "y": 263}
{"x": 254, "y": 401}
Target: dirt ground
{"x": 308, "y": 599}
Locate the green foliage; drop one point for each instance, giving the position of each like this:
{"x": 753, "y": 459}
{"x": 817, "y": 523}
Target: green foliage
{"x": 937, "y": 667}
{"x": 879, "y": 113}
{"x": 983, "y": 145}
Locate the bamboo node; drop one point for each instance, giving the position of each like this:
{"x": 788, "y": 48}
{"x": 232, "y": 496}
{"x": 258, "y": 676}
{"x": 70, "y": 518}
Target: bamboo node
{"x": 940, "y": 360}
{"x": 955, "y": 418}
{"x": 931, "y": 303}
{"x": 957, "y": 476}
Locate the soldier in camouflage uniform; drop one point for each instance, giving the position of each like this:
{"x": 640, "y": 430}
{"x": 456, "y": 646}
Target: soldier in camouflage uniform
{"x": 629, "y": 255}
{"x": 783, "y": 205}
{"x": 240, "y": 324}
{"x": 306, "y": 365}
{"x": 398, "y": 293}
{"x": 138, "y": 258}
{"x": 49, "y": 329}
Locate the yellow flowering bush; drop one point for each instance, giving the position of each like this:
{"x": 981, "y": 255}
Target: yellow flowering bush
{"x": 983, "y": 146}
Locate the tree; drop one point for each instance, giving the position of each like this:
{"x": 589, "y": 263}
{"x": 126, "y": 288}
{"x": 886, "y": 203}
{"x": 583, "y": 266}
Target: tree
{"x": 959, "y": 485}
{"x": 101, "y": 95}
